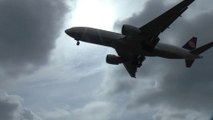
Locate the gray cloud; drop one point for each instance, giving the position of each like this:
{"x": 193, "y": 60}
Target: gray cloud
{"x": 11, "y": 108}
{"x": 8, "y": 107}
{"x": 170, "y": 84}
{"x": 138, "y": 19}
{"x": 96, "y": 110}
{"x": 28, "y": 32}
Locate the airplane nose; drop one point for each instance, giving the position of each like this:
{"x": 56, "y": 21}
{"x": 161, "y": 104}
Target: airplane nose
{"x": 71, "y": 32}
{"x": 67, "y": 31}
{"x": 74, "y": 33}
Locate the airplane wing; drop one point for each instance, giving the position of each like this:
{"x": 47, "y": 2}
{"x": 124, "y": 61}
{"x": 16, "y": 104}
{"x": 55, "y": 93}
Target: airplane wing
{"x": 132, "y": 63}
{"x": 158, "y": 25}
{"x": 152, "y": 30}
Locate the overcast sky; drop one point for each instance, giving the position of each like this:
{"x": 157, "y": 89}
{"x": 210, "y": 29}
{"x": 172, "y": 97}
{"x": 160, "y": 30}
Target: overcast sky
{"x": 45, "y": 76}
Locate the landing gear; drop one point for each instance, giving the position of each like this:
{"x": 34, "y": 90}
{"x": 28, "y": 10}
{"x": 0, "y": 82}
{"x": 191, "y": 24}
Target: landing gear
{"x": 140, "y": 60}
{"x": 78, "y": 43}
{"x": 139, "y": 64}
{"x": 137, "y": 60}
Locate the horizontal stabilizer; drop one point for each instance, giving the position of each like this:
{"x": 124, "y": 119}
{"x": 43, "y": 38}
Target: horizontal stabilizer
{"x": 189, "y": 63}
{"x": 202, "y": 49}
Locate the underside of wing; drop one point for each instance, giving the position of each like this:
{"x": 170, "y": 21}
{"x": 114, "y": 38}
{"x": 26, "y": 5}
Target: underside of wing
{"x": 152, "y": 29}
{"x": 163, "y": 21}
{"x": 131, "y": 62}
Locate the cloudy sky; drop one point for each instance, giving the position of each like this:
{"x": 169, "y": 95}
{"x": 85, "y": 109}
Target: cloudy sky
{"x": 45, "y": 76}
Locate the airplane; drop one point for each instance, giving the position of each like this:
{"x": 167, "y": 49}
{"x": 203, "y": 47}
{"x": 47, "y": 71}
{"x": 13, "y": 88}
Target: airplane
{"x": 134, "y": 44}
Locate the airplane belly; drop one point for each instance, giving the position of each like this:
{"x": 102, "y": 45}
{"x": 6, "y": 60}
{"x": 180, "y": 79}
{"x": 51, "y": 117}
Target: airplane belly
{"x": 172, "y": 52}
{"x": 101, "y": 37}
{"x": 167, "y": 54}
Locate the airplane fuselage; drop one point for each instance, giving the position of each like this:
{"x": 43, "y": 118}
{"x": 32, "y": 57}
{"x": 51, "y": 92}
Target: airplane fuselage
{"x": 117, "y": 41}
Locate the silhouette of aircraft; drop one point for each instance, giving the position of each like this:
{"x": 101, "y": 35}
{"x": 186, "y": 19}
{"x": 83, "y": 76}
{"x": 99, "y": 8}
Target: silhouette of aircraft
{"x": 134, "y": 44}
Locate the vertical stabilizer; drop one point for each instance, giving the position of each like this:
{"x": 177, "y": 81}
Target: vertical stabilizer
{"x": 191, "y": 44}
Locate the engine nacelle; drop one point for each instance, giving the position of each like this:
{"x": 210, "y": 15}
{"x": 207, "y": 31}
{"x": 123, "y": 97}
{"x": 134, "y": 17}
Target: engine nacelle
{"x": 113, "y": 59}
{"x": 130, "y": 30}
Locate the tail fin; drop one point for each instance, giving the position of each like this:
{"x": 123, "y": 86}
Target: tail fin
{"x": 197, "y": 51}
{"x": 202, "y": 49}
{"x": 191, "y": 44}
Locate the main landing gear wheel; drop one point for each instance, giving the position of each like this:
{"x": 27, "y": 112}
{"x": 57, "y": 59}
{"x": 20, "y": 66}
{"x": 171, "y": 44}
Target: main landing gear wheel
{"x": 78, "y": 43}
{"x": 140, "y": 60}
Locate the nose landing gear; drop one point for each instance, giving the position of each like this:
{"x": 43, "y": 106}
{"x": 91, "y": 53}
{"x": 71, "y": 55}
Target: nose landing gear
{"x": 78, "y": 43}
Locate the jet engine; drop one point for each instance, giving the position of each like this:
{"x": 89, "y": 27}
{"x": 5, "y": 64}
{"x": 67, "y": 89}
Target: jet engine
{"x": 113, "y": 59}
{"x": 130, "y": 30}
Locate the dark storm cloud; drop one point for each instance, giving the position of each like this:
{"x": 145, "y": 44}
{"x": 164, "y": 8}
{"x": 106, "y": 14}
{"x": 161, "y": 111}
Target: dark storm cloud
{"x": 28, "y": 30}
{"x": 8, "y": 108}
{"x": 179, "y": 87}
{"x": 12, "y": 109}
